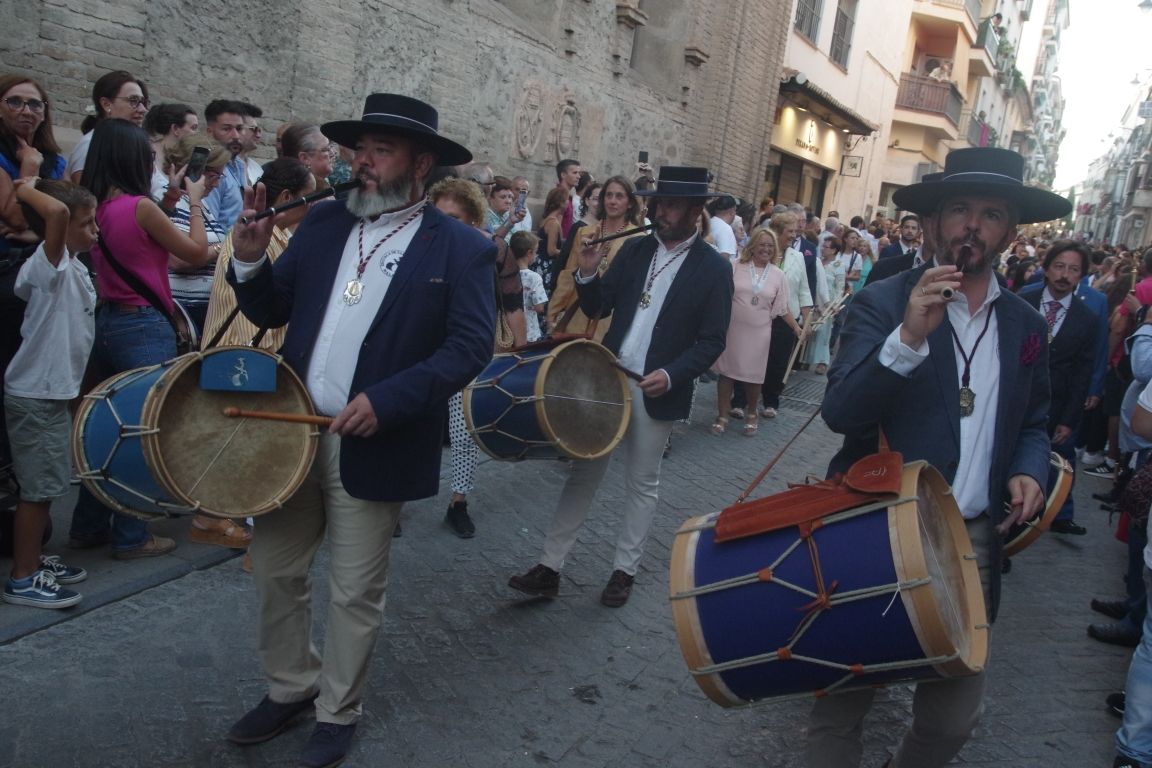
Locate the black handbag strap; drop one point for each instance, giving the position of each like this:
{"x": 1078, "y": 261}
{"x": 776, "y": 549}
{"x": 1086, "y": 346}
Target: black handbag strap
{"x": 138, "y": 285}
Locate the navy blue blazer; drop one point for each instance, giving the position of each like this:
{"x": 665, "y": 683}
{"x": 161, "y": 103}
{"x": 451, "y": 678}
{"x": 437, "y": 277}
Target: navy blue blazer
{"x": 692, "y": 327}
{"x": 920, "y": 413}
{"x": 1097, "y": 302}
{"x": 1071, "y": 356}
{"x": 892, "y": 250}
{"x": 432, "y": 335}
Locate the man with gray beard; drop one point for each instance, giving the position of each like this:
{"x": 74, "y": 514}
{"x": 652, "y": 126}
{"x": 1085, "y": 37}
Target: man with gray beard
{"x": 390, "y": 307}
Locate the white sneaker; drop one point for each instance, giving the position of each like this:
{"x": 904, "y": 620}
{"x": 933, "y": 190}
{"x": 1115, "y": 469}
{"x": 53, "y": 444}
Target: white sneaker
{"x": 1089, "y": 460}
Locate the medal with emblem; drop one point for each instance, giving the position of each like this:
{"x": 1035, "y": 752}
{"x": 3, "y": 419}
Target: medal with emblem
{"x": 967, "y": 401}
{"x": 352, "y": 292}
{"x": 354, "y": 289}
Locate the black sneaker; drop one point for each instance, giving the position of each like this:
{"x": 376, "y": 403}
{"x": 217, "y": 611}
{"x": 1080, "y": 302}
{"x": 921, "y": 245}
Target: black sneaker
{"x": 1125, "y": 762}
{"x": 1115, "y": 609}
{"x": 328, "y": 745}
{"x": 1067, "y": 526}
{"x": 65, "y": 574}
{"x": 619, "y": 589}
{"x": 540, "y": 581}
{"x": 267, "y": 720}
{"x": 458, "y": 520}
{"x": 1106, "y": 470}
{"x": 1115, "y": 702}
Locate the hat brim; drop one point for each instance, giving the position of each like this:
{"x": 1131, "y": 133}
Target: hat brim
{"x": 347, "y": 132}
{"x": 666, "y": 193}
{"x": 1035, "y": 204}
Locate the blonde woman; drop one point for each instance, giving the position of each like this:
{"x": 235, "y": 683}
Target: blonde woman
{"x": 761, "y": 296}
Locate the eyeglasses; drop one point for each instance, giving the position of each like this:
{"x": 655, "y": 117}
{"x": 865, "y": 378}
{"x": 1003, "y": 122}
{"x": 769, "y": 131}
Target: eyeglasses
{"x": 15, "y": 103}
{"x": 135, "y": 101}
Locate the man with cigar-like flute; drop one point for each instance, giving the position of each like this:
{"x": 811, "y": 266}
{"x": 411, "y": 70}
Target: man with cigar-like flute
{"x": 961, "y": 383}
{"x": 390, "y": 310}
{"x": 670, "y": 296}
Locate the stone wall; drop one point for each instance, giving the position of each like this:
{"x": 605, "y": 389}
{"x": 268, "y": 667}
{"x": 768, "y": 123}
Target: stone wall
{"x": 520, "y": 82}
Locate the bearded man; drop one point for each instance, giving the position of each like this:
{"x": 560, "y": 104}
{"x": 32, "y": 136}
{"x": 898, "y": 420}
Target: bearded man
{"x": 390, "y": 310}
{"x": 953, "y": 370}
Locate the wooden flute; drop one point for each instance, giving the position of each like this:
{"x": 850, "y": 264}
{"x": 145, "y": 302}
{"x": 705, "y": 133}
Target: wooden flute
{"x": 320, "y": 195}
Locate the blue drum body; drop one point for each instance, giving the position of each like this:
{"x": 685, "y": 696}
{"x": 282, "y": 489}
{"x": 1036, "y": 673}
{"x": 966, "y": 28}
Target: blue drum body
{"x": 884, "y": 593}
{"x": 547, "y": 402}
{"x": 154, "y": 442}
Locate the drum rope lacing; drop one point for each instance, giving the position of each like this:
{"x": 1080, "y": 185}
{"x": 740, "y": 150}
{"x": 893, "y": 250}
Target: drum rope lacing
{"x": 822, "y": 600}
{"x": 126, "y": 431}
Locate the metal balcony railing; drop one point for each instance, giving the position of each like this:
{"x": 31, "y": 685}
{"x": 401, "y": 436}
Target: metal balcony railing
{"x": 989, "y": 41}
{"x": 924, "y": 94}
{"x": 972, "y": 6}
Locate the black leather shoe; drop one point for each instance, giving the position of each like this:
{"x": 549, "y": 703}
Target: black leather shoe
{"x": 1067, "y": 526}
{"x": 540, "y": 581}
{"x": 267, "y": 720}
{"x": 1115, "y": 702}
{"x": 618, "y": 591}
{"x": 1124, "y": 762}
{"x": 1113, "y": 609}
{"x": 1114, "y": 634}
{"x": 327, "y": 746}
{"x": 1006, "y": 565}
{"x": 458, "y": 520}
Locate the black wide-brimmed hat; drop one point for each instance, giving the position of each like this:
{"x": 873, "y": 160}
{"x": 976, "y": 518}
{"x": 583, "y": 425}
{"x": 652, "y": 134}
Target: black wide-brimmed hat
{"x": 983, "y": 171}
{"x": 392, "y": 113}
{"x": 680, "y": 181}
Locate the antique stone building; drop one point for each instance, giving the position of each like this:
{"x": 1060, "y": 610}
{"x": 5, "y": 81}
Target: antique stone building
{"x": 520, "y": 82}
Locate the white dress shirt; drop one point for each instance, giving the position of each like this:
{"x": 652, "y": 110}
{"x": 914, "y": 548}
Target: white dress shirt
{"x": 978, "y": 431}
{"x": 337, "y": 347}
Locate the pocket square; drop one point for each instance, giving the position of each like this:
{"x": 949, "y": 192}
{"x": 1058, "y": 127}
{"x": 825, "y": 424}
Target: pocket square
{"x": 435, "y": 279}
{"x": 1030, "y": 349}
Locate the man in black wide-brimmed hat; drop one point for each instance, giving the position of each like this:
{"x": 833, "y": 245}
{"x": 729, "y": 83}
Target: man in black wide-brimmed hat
{"x": 390, "y": 311}
{"x": 954, "y": 371}
{"x": 670, "y": 295}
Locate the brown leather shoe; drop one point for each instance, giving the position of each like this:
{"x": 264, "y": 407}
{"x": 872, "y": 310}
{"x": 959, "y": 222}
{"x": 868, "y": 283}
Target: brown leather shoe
{"x": 619, "y": 589}
{"x": 155, "y": 546}
{"x": 540, "y": 581}
{"x": 219, "y": 532}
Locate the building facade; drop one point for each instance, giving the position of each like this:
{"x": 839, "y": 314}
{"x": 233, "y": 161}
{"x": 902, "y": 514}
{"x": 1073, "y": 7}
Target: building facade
{"x": 522, "y": 83}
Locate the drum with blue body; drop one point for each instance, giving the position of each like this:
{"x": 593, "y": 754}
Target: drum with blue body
{"x": 154, "y": 442}
{"x": 547, "y": 402}
{"x": 878, "y": 594}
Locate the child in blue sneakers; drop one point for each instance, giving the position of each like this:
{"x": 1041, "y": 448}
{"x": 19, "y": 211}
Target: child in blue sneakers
{"x": 46, "y": 374}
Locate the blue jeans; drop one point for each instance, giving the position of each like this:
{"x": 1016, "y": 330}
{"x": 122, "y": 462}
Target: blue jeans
{"x": 125, "y": 339}
{"x": 1134, "y": 739}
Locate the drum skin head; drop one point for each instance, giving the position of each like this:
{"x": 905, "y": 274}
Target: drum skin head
{"x": 545, "y": 403}
{"x": 904, "y": 600}
{"x": 1060, "y": 475}
{"x": 230, "y": 467}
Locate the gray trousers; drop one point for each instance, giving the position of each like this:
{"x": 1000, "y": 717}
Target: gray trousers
{"x": 944, "y": 712}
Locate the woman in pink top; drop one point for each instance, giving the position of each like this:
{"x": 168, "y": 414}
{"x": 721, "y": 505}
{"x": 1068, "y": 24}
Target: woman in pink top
{"x": 130, "y": 333}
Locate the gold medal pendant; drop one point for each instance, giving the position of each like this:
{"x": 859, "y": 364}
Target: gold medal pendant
{"x": 967, "y": 401}
{"x": 645, "y": 300}
{"x": 353, "y": 292}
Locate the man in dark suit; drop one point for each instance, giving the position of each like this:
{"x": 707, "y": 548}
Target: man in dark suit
{"x": 390, "y": 310}
{"x": 961, "y": 383}
{"x": 671, "y": 294}
{"x": 905, "y": 253}
{"x": 1073, "y": 340}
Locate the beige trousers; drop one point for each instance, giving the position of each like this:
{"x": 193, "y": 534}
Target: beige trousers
{"x": 944, "y": 712}
{"x": 360, "y": 537}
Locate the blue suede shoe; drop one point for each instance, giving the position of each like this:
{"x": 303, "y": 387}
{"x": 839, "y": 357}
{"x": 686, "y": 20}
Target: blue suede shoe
{"x": 328, "y": 745}
{"x": 267, "y": 720}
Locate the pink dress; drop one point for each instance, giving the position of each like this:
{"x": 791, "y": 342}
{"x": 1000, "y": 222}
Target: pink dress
{"x": 750, "y": 331}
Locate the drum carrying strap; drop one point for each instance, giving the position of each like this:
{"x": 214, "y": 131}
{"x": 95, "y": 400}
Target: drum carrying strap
{"x": 871, "y": 479}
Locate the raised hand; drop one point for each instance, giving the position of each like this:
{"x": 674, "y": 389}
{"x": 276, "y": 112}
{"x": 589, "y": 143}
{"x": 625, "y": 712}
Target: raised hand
{"x": 249, "y": 241}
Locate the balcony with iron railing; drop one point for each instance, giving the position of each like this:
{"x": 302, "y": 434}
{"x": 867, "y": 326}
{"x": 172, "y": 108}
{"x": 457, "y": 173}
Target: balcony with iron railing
{"x": 930, "y": 96}
{"x": 972, "y": 6}
{"x": 985, "y": 52}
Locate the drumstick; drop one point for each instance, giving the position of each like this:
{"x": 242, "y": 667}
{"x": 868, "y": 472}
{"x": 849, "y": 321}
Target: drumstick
{"x": 628, "y": 372}
{"x": 296, "y": 418}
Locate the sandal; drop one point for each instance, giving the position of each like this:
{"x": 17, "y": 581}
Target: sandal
{"x": 751, "y": 427}
{"x": 219, "y": 531}
{"x": 736, "y": 413}
{"x": 719, "y": 425}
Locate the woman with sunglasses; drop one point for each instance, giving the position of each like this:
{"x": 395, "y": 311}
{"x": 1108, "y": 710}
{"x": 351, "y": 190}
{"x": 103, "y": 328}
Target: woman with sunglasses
{"x": 27, "y": 148}
{"x": 118, "y": 94}
{"x": 136, "y": 238}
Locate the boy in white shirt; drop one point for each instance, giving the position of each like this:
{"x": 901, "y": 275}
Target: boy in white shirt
{"x": 44, "y": 376}
{"x": 523, "y": 246}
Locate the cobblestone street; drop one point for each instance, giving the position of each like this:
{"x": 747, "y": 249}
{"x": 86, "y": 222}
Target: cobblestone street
{"x": 468, "y": 674}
